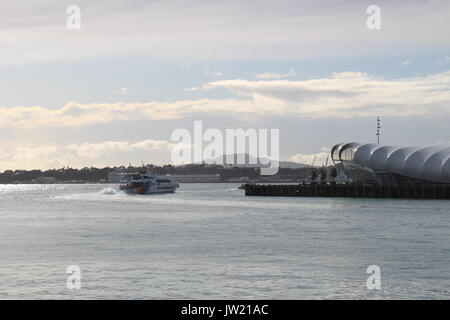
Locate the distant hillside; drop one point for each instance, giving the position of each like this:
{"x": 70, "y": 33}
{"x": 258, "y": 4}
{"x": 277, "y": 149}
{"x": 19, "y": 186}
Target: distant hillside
{"x": 250, "y": 164}
{"x": 293, "y": 165}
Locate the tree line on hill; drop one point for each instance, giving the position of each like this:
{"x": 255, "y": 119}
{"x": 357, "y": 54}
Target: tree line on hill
{"x": 93, "y": 174}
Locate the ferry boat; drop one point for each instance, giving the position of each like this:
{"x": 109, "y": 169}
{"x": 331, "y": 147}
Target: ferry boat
{"x": 146, "y": 183}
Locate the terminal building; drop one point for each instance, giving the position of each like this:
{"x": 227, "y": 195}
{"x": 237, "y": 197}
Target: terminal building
{"x": 393, "y": 165}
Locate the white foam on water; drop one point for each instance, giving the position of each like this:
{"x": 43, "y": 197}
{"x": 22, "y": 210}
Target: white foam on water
{"x": 232, "y": 189}
{"x": 109, "y": 191}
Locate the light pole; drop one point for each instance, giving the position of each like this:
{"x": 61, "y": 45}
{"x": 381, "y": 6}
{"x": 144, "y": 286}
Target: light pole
{"x": 378, "y": 130}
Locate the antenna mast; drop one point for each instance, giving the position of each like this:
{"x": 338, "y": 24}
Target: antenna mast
{"x": 378, "y": 130}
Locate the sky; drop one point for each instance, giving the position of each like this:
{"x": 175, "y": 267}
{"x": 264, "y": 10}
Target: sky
{"x": 113, "y": 91}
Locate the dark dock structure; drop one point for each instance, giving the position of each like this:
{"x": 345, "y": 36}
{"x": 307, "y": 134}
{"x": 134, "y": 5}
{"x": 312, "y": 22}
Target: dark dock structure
{"x": 355, "y": 190}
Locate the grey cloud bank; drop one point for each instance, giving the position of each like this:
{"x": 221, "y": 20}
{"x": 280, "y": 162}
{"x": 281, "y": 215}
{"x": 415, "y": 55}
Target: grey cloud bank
{"x": 36, "y": 31}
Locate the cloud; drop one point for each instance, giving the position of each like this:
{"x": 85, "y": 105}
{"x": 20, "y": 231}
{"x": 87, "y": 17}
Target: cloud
{"x": 342, "y": 95}
{"x": 319, "y": 158}
{"x": 108, "y": 153}
{"x": 191, "y": 89}
{"x": 406, "y": 62}
{"x": 75, "y": 114}
{"x": 346, "y": 95}
{"x": 185, "y": 66}
{"x": 212, "y": 73}
{"x": 122, "y": 91}
{"x": 444, "y": 61}
{"x": 271, "y": 76}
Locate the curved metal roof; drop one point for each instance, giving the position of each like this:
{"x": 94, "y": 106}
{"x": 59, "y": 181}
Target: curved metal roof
{"x": 430, "y": 163}
{"x": 378, "y": 159}
{"x": 335, "y": 151}
{"x": 364, "y": 152}
{"x": 431, "y": 166}
{"x": 414, "y": 163}
{"x": 445, "y": 172}
{"x": 353, "y": 146}
{"x": 396, "y": 161}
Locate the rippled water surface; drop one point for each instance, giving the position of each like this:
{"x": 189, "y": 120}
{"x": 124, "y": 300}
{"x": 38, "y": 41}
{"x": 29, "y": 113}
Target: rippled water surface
{"x": 209, "y": 241}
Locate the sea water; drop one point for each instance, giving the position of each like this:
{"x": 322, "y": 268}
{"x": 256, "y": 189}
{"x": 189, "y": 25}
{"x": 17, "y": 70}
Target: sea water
{"x": 209, "y": 241}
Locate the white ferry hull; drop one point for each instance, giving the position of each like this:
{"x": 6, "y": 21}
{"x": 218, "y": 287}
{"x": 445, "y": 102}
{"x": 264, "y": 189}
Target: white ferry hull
{"x": 143, "y": 183}
{"x": 139, "y": 190}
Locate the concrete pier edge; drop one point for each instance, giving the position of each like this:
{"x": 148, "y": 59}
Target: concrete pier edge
{"x": 422, "y": 191}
